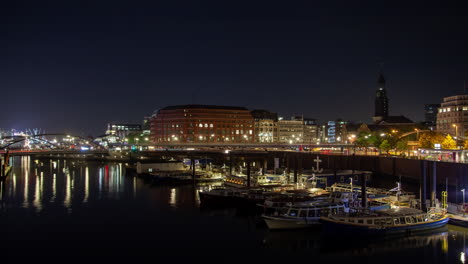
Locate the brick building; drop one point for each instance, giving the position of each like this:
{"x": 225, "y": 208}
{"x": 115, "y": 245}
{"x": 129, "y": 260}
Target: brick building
{"x": 202, "y": 124}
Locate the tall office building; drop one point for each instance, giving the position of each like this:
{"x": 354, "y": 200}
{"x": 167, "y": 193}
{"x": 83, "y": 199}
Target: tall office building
{"x": 430, "y": 113}
{"x": 452, "y": 116}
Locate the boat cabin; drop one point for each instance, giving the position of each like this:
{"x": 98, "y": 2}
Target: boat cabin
{"x": 311, "y": 211}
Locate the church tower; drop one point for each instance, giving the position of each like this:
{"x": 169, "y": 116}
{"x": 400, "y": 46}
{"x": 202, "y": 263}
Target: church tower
{"x": 381, "y": 100}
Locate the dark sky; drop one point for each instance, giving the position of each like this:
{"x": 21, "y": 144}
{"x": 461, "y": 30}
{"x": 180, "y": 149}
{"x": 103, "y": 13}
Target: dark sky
{"x": 73, "y": 66}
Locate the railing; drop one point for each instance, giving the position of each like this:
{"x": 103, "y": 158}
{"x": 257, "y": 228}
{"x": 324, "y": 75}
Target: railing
{"x": 456, "y": 208}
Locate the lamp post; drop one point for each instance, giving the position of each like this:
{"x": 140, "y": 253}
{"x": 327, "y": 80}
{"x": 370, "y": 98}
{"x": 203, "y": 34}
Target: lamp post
{"x": 463, "y": 205}
{"x": 456, "y": 129}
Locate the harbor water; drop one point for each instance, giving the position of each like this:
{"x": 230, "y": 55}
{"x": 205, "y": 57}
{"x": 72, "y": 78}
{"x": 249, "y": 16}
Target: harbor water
{"x": 70, "y": 210}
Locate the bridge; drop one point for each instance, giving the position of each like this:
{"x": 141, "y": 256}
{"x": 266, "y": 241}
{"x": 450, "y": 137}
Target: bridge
{"x": 41, "y": 141}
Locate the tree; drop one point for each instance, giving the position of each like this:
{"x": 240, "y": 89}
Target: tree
{"x": 428, "y": 139}
{"x": 402, "y": 145}
{"x": 385, "y": 146}
{"x": 449, "y": 143}
{"x": 363, "y": 141}
{"x": 376, "y": 139}
{"x": 136, "y": 137}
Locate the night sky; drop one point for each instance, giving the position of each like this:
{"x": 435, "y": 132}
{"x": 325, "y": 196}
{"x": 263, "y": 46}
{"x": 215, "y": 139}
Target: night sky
{"x": 74, "y": 66}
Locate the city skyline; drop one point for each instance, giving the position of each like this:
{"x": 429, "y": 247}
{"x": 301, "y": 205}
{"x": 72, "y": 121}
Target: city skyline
{"x": 78, "y": 68}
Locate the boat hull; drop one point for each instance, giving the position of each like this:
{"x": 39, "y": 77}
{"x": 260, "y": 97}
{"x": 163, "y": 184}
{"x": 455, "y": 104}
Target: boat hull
{"x": 331, "y": 226}
{"x": 277, "y": 223}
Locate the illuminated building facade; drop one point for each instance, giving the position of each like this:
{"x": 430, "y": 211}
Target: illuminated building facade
{"x": 265, "y": 126}
{"x": 202, "y": 124}
{"x": 334, "y": 132}
{"x": 291, "y": 131}
{"x": 452, "y": 117}
{"x": 122, "y": 130}
{"x": 310, "y": 131}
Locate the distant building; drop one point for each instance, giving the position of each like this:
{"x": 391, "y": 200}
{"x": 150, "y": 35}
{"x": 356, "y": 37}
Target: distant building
{"x": 291, "y": 131}
{"x": 202, "y": 124}
{"x": 107, "y": 140}
{"x": 310, "y": 131}
{"x": 452, "y": 116}
{"x": 146, "y": 125}
{"x": 430, "y": 114}
{"x": 122, "y": 130}
{"x": 5, "y": 133}
{"x": 381, "y": 111}
{"x": 395, "y": 121}
{"x": 334, "y": 131}
{"x": 265, "y": 126}
{"x": 381, "y": 100}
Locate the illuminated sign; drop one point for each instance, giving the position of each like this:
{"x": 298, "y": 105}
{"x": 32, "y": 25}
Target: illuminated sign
{"x": 437, "y": 146}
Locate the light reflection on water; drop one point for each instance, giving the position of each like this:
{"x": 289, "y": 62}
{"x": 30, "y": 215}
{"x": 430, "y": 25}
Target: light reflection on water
{"x": 103, "y": 197}
{"x": 39, "y": 185}
{"x": 43, "y": 183}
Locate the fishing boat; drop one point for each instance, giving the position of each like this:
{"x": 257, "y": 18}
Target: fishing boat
{"x": 402, "y": 220}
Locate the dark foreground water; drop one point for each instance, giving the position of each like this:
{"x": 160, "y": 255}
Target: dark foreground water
{"x": 88, "y": 212}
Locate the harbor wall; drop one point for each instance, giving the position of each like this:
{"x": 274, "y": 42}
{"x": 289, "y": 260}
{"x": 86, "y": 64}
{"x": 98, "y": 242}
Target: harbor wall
{"x": 393, "y": 169}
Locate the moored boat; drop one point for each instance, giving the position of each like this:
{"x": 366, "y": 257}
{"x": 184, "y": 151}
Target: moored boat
{"x": 220, "y": 197}
{"x": 296, "y": 217}
{"x": 301, "y": 212}
{"x": 401, "y": 220}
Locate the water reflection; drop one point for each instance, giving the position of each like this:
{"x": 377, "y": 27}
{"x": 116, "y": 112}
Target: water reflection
{"x": 101, "y": 197}
{"x": 41, "y": 184}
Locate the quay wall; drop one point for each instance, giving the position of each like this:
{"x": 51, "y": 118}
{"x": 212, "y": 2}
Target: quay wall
{"x": 393, "y": 169}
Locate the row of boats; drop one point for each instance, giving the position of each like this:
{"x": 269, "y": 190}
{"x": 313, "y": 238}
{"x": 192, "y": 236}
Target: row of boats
{"x": 335, "y": 210}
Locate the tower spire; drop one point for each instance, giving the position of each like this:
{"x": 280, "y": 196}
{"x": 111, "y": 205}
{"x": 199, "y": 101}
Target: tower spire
{"x": 381, "y": 100}
{"x": 381, "y": 76}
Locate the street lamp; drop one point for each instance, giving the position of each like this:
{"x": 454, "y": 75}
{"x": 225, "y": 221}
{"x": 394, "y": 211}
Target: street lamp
{"x": 417, "y": 133}
{"x": 456, "y": 129}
